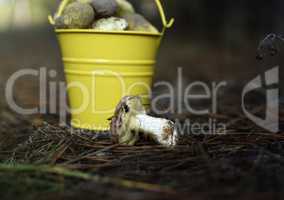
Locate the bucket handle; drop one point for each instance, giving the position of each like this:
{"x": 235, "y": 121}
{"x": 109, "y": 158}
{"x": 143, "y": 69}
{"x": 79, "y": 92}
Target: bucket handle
{"x": 58, "y": 13}
{"x": 166, "y": 24}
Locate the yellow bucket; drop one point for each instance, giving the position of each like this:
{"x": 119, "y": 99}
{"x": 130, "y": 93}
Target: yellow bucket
{"x": 101, "y": 67}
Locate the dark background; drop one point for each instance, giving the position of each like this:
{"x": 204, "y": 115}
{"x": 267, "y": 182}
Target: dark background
{"x": 211, "y": 40}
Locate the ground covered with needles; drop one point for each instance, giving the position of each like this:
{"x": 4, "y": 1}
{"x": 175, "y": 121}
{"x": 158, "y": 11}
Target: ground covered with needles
{"x": 41, "y": 160}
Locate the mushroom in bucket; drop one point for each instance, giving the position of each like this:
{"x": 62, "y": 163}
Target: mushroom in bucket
{"x": 130, "y": 120}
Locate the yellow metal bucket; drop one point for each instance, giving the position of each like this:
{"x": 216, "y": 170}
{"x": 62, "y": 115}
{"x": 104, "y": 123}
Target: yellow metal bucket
{"x": 102, "y": 67}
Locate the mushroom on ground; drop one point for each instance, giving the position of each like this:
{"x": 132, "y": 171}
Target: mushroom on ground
{"x": 110, "y": 24}
{"x": 130, "y": 119}
{"x": 269, "y": 46}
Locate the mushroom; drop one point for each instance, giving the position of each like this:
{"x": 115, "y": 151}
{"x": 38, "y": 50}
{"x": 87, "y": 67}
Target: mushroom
{"x": 104, "y": 8}
{"x": 75, "y": 15}
{"x": 124, "y": 7}
{"x": 130, "y": 120}
{"x": 269, "y": 46}
{"x": 110, "y": 24}
{"x": 137, "y": 22}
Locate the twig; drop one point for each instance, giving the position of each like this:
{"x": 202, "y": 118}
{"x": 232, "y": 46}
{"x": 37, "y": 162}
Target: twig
{"x": 84, "y": 176}
{"x": 59, "y": 152}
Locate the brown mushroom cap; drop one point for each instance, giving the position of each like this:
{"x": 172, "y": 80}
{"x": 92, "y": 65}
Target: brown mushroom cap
{"x": 120, "y": 126}
{"x": 105, "y": 8}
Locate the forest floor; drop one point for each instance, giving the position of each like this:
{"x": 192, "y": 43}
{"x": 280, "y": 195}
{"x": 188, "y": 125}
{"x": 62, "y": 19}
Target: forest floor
{"x": 41, "y": 160}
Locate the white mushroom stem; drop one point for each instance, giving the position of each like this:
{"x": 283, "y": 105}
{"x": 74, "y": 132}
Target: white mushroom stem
{"x": 161, "y": 130}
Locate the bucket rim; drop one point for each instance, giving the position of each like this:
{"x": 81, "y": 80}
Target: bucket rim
{"x": 126, "y": 32}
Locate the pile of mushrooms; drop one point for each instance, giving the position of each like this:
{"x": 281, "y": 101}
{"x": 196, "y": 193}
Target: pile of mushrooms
{"x": 130, "y": 121}
{"x": 101, "y": 15}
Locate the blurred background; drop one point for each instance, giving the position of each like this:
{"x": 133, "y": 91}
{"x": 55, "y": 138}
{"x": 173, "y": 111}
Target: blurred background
{"x": 211, "y": 40}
